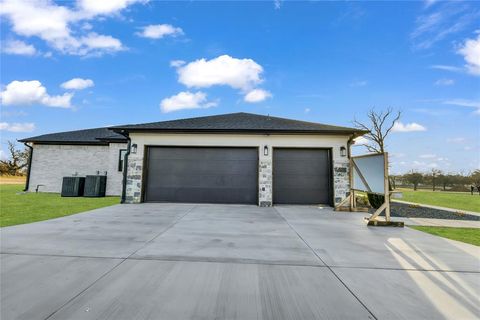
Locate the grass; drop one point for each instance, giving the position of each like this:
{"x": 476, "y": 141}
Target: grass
{"x": 18, "y": 208}
{"x": 467, "y": 235}
{"x": 453, "y": 200}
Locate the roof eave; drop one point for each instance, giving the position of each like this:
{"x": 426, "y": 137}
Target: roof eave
{"x": 248, "y": 131}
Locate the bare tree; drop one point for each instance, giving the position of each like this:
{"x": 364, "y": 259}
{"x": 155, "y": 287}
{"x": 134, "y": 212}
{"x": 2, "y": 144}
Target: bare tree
{"x": 381, "y": 124}
{"x": 16, "y": 163}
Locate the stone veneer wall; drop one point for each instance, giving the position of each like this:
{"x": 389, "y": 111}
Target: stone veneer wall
{"x": 265, "y": 182}
{"x": 341, "y": 180}
{"x": 134, "y": 179}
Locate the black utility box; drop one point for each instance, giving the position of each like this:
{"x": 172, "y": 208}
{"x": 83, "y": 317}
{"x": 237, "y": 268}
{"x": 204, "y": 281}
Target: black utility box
{"x": 73, "y": 186}
{"x": 95, "y": 186}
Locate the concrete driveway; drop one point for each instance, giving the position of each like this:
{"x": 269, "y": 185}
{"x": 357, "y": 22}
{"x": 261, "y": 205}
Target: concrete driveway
{"x": 182, "y": 261}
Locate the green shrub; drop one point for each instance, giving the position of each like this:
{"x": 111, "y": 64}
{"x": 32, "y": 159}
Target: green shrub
{"x": 376, "y": 200}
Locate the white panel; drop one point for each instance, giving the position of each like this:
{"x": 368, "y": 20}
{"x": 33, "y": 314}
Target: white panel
{"x": 372, "y": 170}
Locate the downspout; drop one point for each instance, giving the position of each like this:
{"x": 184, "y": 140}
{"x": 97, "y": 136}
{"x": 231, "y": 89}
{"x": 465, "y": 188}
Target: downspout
{"x": 29, "y": 166}
{"x": 125, "y": 168}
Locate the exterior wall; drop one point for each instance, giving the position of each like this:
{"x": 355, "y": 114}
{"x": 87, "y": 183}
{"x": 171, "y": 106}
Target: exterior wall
{"x": 340, "y": 164}
{"x": 50, "y": 163}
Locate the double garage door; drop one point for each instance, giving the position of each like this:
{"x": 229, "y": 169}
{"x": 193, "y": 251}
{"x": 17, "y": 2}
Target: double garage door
{"x": 230, "y": 175}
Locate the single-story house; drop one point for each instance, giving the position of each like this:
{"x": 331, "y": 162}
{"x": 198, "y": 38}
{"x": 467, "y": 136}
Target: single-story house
{"x": 230, "y": 158}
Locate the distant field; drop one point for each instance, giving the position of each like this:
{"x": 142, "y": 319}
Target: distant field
{"x": 12, "y": 180}
{"x": 453, "y": 200}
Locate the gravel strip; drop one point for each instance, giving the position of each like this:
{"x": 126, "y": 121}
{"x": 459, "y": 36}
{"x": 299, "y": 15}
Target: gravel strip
{"x": 411, "y": 211}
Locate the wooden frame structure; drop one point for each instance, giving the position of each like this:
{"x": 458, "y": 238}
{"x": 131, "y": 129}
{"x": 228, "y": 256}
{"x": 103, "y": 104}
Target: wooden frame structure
{"x": 374, "y": 218}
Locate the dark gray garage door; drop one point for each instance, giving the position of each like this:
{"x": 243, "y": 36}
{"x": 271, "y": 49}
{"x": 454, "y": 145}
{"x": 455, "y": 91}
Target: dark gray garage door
{"x": 208, "y": 175}
{"x": 301, "y": 176}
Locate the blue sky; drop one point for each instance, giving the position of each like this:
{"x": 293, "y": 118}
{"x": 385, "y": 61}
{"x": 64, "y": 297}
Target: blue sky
{"x": 139, "y": 61}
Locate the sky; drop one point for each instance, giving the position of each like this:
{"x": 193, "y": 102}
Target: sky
{"x": 70, "y": 65}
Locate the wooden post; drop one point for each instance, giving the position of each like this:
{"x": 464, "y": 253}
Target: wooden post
{"x": 386, "y": 187}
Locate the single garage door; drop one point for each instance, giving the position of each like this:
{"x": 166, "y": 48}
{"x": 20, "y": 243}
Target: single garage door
{"x": 198, "y": 174}
{"x": 301, "y": 176}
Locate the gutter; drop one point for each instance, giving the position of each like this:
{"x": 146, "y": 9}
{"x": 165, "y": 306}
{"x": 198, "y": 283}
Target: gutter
{"x": 125, "y": 167}
{"x": 29, "y": 167}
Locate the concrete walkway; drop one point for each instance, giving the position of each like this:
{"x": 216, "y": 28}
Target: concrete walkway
{"x": 438, "y": 222}
{"x": 187, "y": 261}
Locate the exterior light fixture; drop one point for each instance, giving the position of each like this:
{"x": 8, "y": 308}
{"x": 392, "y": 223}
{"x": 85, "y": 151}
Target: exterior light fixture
{"x": 133, "y": 148}
{"x": 265, "y": 150}
{"x": 343, "y": 151}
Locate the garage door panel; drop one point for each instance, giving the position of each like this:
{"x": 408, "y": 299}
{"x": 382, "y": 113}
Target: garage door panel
{"x": 301, "y": 176}
{"x": 199, "y": 195}
{"x": 202, "y": 174}
{"x": 205, "y": 167}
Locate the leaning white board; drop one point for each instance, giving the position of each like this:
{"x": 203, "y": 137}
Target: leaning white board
{"x": 369, "y": 173}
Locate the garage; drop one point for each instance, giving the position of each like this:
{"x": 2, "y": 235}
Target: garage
{"x": 202, "y": 175}
{"x": 301, "y": 176}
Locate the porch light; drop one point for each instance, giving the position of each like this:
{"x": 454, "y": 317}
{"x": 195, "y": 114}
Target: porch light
{"x": 343, "y": 151}
{"x": 265, "y": 150}
{"x": 133, "y": 148}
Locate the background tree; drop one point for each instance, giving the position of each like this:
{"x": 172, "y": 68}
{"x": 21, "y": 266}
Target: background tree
{"x": 381, "y": 124}
{"x": 475, "y": 179}
{"x": 414, "y": 178}
{"x": 433, "y": 178}
{"x": 16, "y": 163}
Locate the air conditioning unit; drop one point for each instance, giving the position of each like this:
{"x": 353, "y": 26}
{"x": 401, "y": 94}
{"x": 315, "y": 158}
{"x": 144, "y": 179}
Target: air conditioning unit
{"x": 95, "y": 186}
{"x": 73, "y": 186}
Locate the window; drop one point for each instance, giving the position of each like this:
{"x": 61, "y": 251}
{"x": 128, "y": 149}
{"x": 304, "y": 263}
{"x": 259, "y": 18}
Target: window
{"x": 121, "y": 157}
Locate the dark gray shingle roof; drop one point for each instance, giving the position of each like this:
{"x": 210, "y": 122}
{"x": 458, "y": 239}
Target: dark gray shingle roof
{"x": 239, "y": 122}
{"x": 87, "y": 136}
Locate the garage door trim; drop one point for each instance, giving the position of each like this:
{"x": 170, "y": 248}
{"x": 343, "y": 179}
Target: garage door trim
{"x": 331, "y": 194}
{"x": 147, "y": 148}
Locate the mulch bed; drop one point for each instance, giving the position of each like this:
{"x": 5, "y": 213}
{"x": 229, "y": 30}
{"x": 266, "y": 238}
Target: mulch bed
{"x": 411, "y": 211}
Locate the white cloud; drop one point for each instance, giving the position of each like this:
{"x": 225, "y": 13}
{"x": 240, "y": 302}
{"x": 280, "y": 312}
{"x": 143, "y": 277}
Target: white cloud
{"x": 77, "y": 84}
{"x": 18, "y": 47}
{"x": 105, "y": 7}
{"x": 158, "y": 31}
{"x": 177, "y": 63}
{"x": 409, "y": 127}
{"x": 186, "y": 100}
{"x": 471, "y": 53}
{"x": 428, "y": 156}
{"x": 257, "y": 95}
{"x": 307, "y": 110}
{"x": 456, "y": 140}
{"x": 61, "y": 27}
{"x": 32, "y": 92}
{"x": 361, "y": 83}
{"x": 446, "y": 68}
{"x": 277, "y": 4}
{"x": 465, "y": 103}
{"x": 17, "y": 127}
{"x": 444, "y": 82}
{"x": 446, "y": 20}
{"x": 360, "y": 141}
{"x": 242, "y": 74}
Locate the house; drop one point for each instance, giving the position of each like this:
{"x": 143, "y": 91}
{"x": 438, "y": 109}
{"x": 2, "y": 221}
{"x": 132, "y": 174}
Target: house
{"x": 230, "y": 158}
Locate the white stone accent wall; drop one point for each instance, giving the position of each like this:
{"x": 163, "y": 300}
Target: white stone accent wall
{"x": 50, "y": 163}
{"x": 340, "y": 170}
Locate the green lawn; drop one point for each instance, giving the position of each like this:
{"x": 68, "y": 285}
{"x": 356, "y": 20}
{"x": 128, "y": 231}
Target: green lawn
{"x": 18, "y": 208}
{"x": 454, "y": 200}
{"x": 467, "y": 235}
